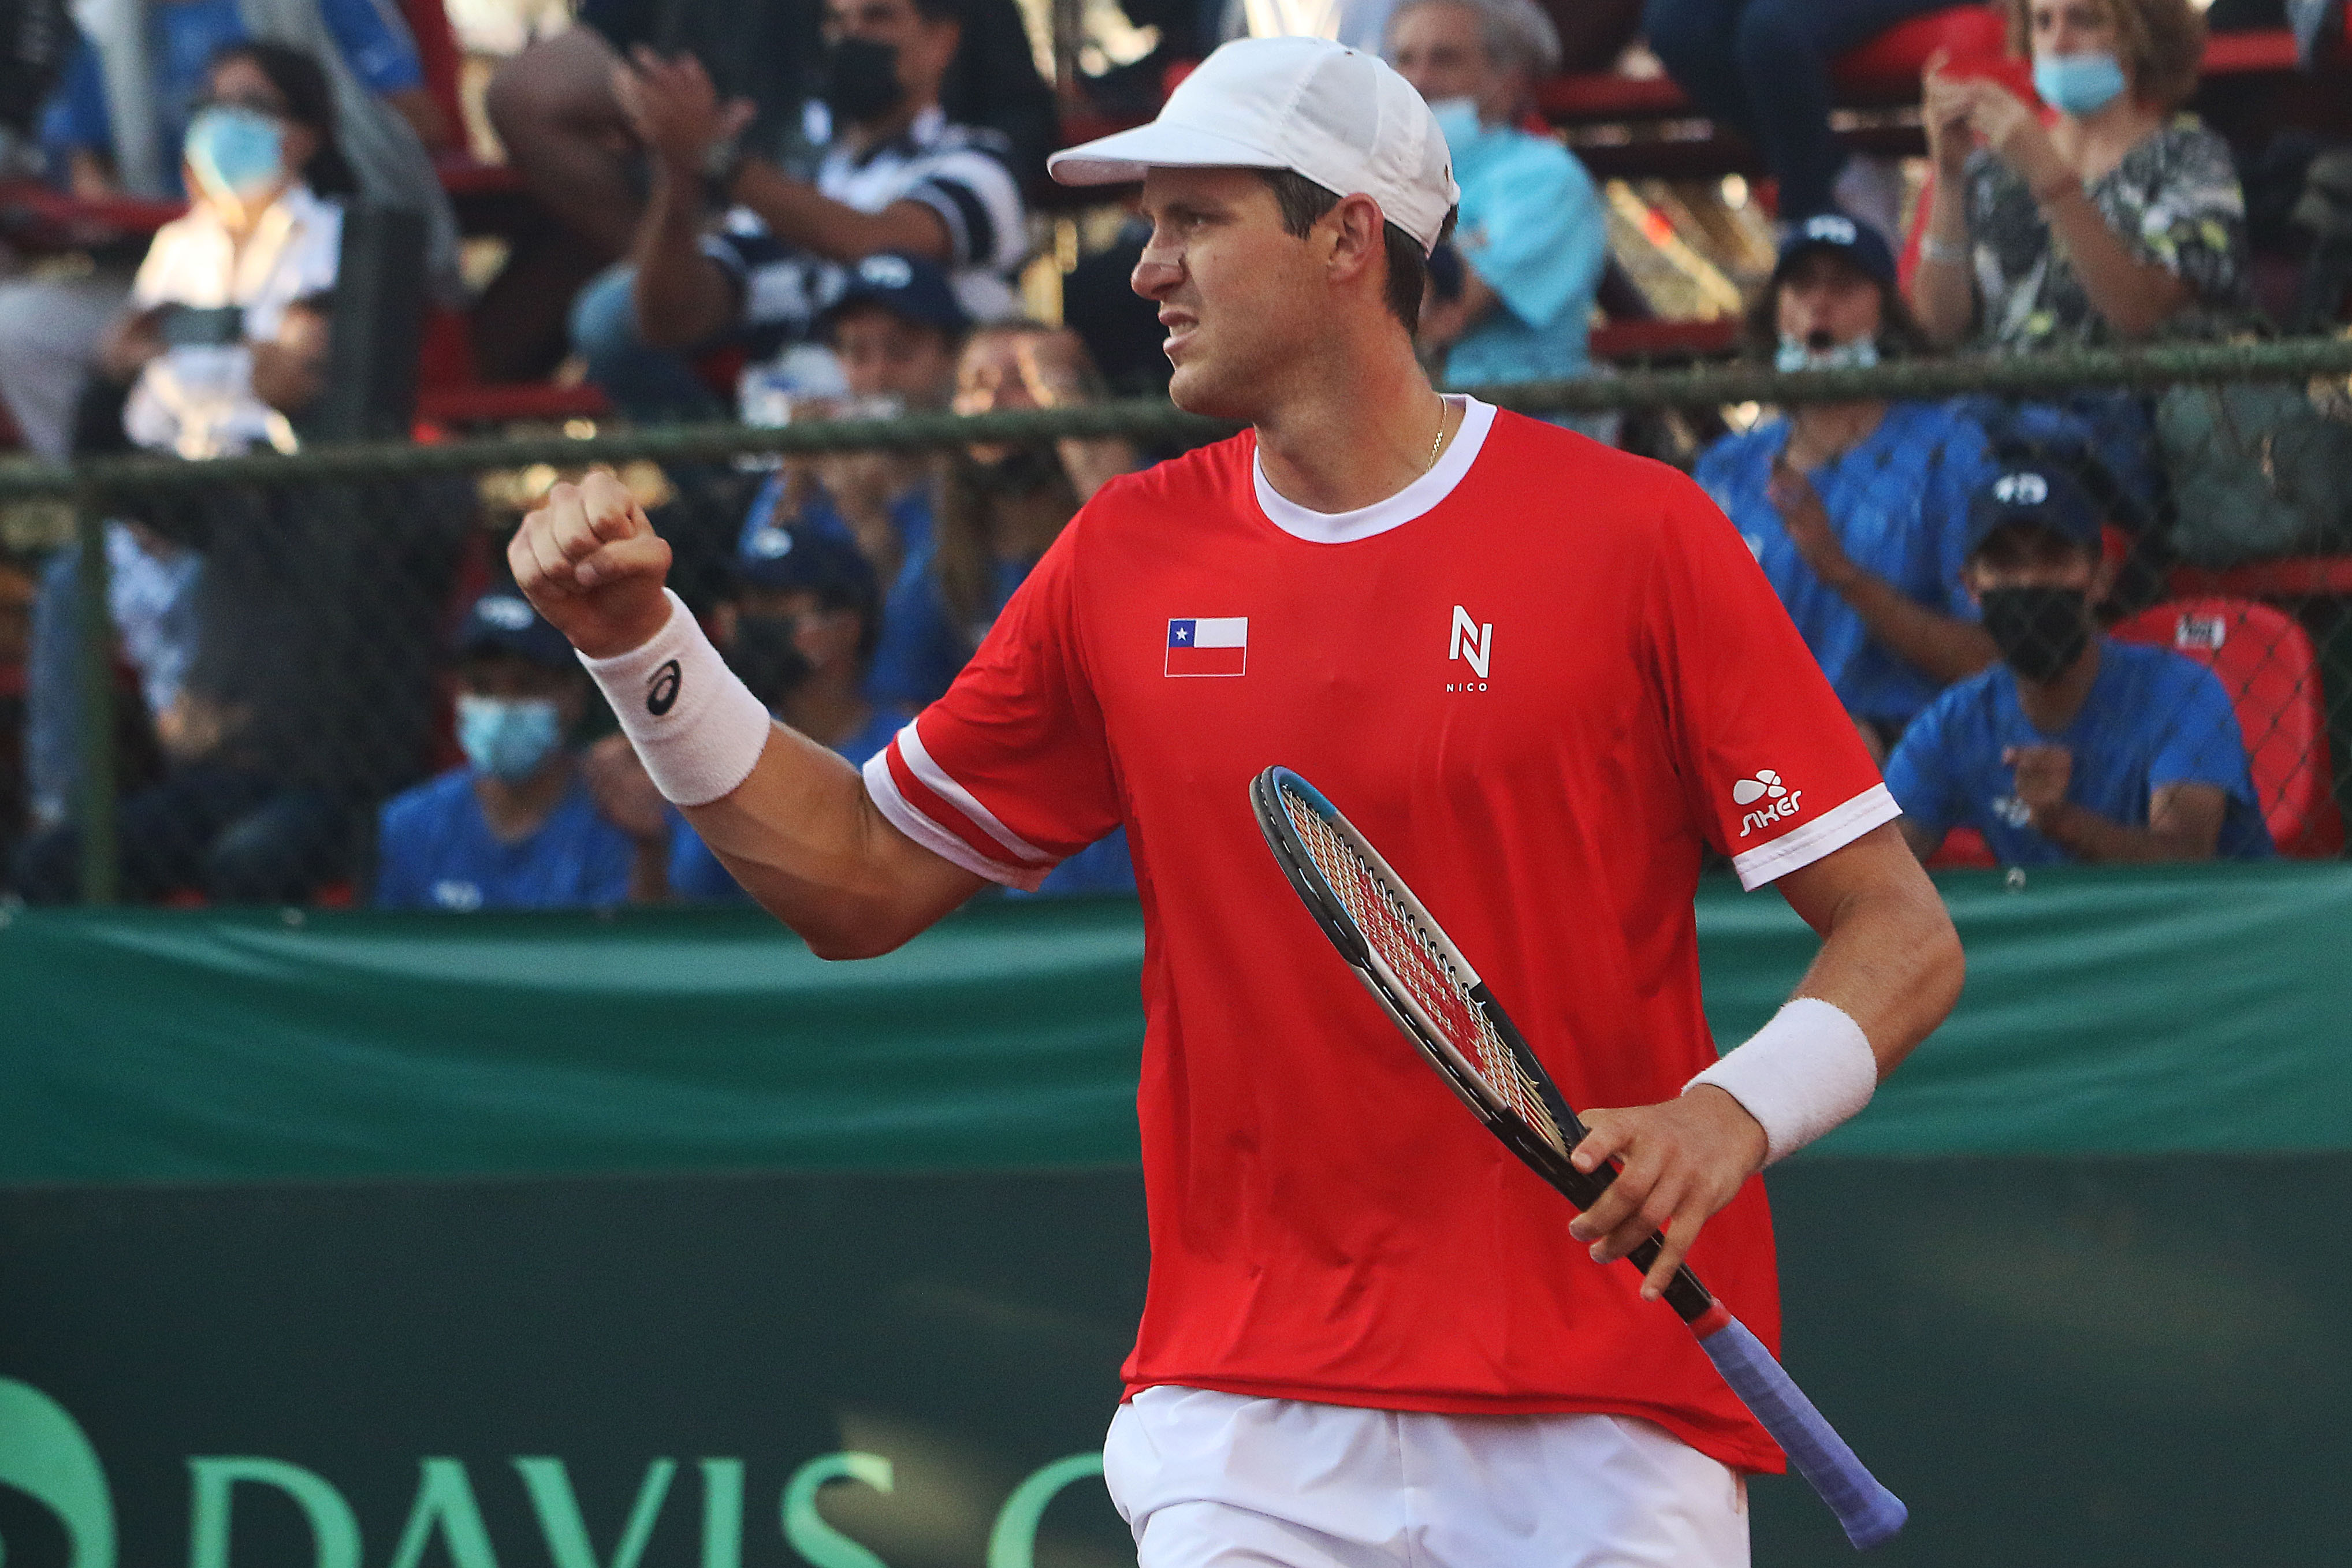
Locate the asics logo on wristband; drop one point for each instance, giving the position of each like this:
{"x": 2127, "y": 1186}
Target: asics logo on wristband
{"x": 661, "y": 691}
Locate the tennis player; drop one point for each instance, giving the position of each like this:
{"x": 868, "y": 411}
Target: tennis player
{"x": 1545, "y": 677}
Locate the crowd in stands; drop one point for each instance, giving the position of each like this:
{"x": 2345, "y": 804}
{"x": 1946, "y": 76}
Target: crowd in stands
{"x": 773, "y": 210}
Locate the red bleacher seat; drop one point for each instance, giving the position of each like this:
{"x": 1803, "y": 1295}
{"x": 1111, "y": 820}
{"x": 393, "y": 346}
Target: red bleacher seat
{"x": 1890, "y": 63}
{"x": 2266, "y": 663}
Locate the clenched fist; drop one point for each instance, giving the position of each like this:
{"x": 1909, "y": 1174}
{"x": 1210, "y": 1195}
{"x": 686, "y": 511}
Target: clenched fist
{"x": 590, "y": 562}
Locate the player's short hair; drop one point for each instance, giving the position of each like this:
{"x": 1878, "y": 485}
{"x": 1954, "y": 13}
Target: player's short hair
{"x": 1303, "y": 203}
{"x": 2160, "y": 42}
{"x": 1516, "y": 34}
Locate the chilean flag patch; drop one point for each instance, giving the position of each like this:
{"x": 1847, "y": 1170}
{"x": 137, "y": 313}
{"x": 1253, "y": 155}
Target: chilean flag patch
{"x": 1208, "y": 647}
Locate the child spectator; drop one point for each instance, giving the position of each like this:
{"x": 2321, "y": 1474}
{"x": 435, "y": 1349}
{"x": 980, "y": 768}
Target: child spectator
{"x": 1531, "y": 232}
{"x": 516, "y": 827}
{"x": 1859, "y": 511}
{"x": 1762, "y": 68}
{"x": 800, "y": 630}
{"x": 897, "y": 176}
{"x": 2075, "y": 747}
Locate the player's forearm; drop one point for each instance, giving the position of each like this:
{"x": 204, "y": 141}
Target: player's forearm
{"x": 1890, "y": 959}
{"x": 804, "y": 839}
{"x": 1942, "y": 647}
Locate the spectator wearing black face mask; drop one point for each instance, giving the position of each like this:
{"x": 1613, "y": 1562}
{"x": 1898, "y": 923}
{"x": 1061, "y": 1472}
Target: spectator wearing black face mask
{"x": 2075, "y": 747}
{"x": 897, "y": 176}
{"x": 800, "y": 629}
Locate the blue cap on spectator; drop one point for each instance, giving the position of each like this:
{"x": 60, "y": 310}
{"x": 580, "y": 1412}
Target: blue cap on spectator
{"x": 502, "y": 621}
{"x": 906, "y": 286}
{"x": 1859, "y": 243}
{"x": 770, "y": 556}
{"x": 2049, "y": 497}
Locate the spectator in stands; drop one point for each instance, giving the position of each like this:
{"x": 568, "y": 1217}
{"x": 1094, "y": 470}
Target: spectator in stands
{"x": 308, "y": 695}
{"x": 1857, "y": 511}
{"x": 118, "y": 125}
{"x": 999, "y": 508}
{"x": 224, "y": 341}
{"x": 1762, "y": 68}
{"x": 1531, "y": 232}
{"x": 2110, "y": 223}
{"x": 897, "y": 177}
{"x": 801, "y": 629}
{"x": 2075, "y": 747}
{"x": 896, "y": 330}
{"x": 565, "y": 128}
{"x": 516, "y": 827}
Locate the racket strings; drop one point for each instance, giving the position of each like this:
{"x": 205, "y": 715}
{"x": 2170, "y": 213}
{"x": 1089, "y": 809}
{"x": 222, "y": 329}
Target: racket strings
{"x": 1423, "y": 966}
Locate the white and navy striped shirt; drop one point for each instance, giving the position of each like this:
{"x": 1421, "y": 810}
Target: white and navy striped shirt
{"x": 960, "y": 172}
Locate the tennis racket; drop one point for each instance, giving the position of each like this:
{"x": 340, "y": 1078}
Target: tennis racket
{"x": 1422, "y": 981}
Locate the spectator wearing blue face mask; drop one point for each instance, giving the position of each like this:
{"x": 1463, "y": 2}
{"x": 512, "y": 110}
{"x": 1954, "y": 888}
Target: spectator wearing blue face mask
{"x": 516, "y": 827}
{"x": 1531, "y": 234}
{"x": 1857, "y": 511}
{"x": 2107, "y": 224}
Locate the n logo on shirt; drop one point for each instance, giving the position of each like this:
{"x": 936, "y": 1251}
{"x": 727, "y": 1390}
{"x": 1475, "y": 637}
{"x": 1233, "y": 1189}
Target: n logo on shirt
{"x": 1472, "y": 642}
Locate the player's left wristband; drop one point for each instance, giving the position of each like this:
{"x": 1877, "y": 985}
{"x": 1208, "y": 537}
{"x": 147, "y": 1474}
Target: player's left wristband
{"x": 697, "y": 727}
{"x": 1808, "y": 1071}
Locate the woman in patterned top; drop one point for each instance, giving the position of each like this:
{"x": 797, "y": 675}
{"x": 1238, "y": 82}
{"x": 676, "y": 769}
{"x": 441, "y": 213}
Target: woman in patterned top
{"x": 2107, "y": 224}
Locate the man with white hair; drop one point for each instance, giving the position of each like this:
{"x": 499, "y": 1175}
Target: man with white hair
{"x": 1532, "y": 234}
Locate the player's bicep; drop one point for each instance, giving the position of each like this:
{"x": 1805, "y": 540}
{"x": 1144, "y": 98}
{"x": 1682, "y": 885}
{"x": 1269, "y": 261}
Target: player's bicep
{"x": 2190, "y": 815}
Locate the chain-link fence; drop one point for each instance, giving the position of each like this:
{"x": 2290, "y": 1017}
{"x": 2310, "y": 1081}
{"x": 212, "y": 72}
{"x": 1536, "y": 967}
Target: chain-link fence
{"x": 222, "y": 672}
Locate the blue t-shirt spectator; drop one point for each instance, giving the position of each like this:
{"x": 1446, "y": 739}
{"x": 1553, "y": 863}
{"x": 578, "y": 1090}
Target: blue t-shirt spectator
{"x": 182, "y": 37}
{"x": 1899, "y": 501}
{"x": 694, "y": 872}
{"x": 2152, "y": 718}
{"x": 1533, "y": 228}
{"x": 436, "y": 851}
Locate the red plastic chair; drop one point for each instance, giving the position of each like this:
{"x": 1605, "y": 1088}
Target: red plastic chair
{"x": 2266, "y": 664}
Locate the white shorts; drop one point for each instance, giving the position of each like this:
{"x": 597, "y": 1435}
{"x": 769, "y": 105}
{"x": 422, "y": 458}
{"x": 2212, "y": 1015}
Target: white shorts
{"x": 1222, "y": 1481}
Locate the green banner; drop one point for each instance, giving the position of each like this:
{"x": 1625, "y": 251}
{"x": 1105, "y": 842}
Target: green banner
{"x": 2111, "y": 1011}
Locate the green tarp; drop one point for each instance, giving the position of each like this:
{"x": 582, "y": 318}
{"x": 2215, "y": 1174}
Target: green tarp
{"x": 2108, "y": 1011}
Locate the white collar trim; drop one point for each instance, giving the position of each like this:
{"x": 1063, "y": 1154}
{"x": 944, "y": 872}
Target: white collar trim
{"x": 1416, "y": 498}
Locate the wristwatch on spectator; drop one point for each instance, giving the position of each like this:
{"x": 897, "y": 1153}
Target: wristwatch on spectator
{"x": 722, "y": 164}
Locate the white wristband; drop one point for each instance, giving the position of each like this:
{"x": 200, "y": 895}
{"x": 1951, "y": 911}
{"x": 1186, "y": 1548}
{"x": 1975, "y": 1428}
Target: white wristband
{"x": 698, "y": 728}
{"x": 1801, "y": 1075}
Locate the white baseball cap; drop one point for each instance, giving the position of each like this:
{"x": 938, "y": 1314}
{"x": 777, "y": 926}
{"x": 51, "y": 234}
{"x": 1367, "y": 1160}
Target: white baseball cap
{"x": 1342, "y": 119}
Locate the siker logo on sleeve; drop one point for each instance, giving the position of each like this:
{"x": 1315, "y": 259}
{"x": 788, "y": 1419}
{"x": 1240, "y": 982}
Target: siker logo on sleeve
{"x": 1780, "y": 801}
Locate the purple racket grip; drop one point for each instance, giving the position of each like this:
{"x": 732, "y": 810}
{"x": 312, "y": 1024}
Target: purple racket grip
{"x": 1870, "y": 1513}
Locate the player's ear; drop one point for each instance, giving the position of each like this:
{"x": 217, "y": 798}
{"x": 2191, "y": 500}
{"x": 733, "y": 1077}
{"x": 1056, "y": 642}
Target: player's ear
{"x": 1358, "y": 243}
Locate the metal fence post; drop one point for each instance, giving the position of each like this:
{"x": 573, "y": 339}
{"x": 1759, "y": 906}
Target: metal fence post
{"x": 94, "y": 725}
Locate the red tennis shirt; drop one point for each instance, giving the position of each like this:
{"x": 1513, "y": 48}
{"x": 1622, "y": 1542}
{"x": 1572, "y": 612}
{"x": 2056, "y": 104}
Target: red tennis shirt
{"x": 1541, "y": 680}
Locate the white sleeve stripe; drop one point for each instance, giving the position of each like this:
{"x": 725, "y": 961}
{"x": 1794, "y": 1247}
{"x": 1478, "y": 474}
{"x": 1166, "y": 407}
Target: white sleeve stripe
{"x": 1838, "y": 828}
{"x": 935, "y": 778}
{"x": 901, "y": 814}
